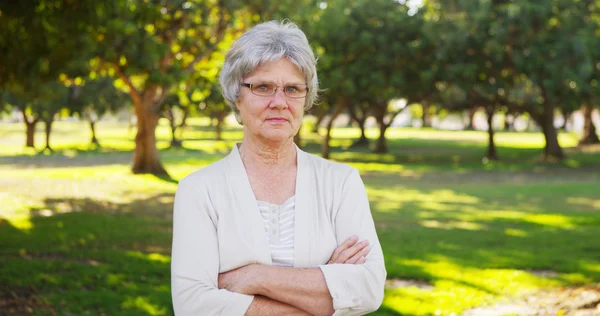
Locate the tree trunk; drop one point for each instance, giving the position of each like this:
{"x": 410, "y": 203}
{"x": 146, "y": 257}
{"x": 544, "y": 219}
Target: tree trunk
{"x": 30, "y": 126}
{"x": 320, "y": 116}
{"x": 589, "y": 129}
{"x": 30, "y": 129}
{"x": 93, "y": 129}
{"x": 567, "y": 117}
{"x": 48, "y": 124}
{"x": 183, "y": 124}
{"x": 426, "y": 116}
{"x": 471, "y": 113}
{"x": 170, "y": 116}
{"x": 176, "y": 143}
{"x": 552, "y": 148}
{"x": 341, "y": 104}
{"x": 363, "y": 141}
{"x": 509, "y": 121}
{"x": 145, "y": 154}
{"x": 360, "y": 121}
{"x": 381, "y": 144}
{"x": 218, "y": 128}
{"x": 491, "y": 153}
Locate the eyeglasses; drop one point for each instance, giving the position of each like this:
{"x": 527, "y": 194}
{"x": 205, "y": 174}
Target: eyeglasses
{"x": 266, "y": 89}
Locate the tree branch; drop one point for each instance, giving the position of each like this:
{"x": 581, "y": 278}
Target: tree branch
{"x": 133, "y": 92}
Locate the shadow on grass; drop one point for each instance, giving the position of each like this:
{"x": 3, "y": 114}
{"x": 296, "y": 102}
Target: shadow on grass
{"x": 479, "y": 243}
{"x": 77, "y": 157}
{"x": 96, "y": 257}
{"x": 490, "y": 232}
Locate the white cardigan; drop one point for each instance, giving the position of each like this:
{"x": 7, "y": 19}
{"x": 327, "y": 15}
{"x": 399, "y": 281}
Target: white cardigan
{"x": 217, "y": 227}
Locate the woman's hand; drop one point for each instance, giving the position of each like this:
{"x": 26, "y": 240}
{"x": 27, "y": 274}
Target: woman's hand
{"x": 350, "y": 251}
{"x": 243, "y": 280}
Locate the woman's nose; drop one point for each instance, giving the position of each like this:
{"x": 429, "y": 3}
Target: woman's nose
{"x": 279, "y": 99}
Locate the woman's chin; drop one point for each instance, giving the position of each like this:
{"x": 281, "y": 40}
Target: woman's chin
{"x": 277, "y": 136}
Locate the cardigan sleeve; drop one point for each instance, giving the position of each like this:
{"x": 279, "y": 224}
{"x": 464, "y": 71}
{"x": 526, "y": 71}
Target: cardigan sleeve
{"x": 356, "y": 289}
{"x": 195, "y": 258}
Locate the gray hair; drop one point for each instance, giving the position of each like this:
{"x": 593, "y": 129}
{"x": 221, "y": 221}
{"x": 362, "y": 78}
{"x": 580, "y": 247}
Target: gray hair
{"x": 268, "y": 41}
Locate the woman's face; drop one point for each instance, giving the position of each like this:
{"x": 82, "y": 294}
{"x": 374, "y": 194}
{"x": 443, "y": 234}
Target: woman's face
{"x": 276, "y": 118}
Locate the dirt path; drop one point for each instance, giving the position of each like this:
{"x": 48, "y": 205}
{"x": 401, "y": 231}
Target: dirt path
{"x": 575, "y": 301}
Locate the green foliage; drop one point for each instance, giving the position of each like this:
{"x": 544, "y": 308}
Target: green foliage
{"x": 43, "y": 101}
{"x": 40, "y": 39}
{"x": 97, "y": 96}
{"x": 161, "y": 43}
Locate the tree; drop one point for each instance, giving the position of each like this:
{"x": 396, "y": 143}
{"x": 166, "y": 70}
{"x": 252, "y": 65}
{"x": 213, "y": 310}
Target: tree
{"x": 152, "y": 47}
{"x": 361, "y": 46}
{"x": 52, "y": 39}
{"x": 588, "y": 87}
{"x": 176, "y": 113}
{"x": 41, "y": 103}
{"x": 17, "y": 98}
{"x": 548, "y": 52}
{"x": 359, "y": 112}
{"x": 96, "y": 97}
{"x": 590, "y": 135}
{"x": 52, "y": 97}
{"x": 216, "y": 109}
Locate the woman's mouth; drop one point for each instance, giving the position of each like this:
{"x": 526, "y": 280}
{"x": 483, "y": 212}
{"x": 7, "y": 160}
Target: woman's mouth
{"x": 276, "y": 120}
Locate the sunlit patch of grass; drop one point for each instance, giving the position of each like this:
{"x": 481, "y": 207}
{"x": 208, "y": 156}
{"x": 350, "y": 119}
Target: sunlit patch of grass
{"x": 151, "y": 256}
{"x": 452, "y": 225}
{"x": 515, "y": 232}
{"x": 142, "y": 304}
{"x": 458, "y": 288}
{"x": 582, "y": 201}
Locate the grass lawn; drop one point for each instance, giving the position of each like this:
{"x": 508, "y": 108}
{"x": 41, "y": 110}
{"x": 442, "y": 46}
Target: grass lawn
{"x": 80, "y": 235}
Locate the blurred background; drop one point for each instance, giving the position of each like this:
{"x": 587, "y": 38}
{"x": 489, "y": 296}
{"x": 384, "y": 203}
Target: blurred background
{"x": 473, "y": 124}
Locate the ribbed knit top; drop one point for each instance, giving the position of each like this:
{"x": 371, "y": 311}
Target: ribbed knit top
{"x": 279, "y": 230}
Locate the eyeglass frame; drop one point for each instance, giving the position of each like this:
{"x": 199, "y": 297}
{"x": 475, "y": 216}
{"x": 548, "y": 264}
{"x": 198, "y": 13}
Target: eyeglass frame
{"x": 249, "y": 86}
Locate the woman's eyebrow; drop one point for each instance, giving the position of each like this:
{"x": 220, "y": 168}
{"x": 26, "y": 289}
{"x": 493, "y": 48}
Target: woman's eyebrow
{"x": 295, "y": 84}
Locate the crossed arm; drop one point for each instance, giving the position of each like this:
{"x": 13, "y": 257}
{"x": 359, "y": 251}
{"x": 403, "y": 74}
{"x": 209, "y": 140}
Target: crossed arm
{"x": 291, "y": 291}
{"x": 350, "y": 284}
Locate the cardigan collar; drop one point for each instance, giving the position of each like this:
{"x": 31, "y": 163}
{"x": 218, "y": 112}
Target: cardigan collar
{"x": 243, "y": 190}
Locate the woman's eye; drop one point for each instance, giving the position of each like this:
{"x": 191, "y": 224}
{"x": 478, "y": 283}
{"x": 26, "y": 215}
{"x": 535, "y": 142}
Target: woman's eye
{"x": 291, "y": 88}
{"x": 263, "y": 87}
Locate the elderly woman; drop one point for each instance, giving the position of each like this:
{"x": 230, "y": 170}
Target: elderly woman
{"x": 270, "y": 229}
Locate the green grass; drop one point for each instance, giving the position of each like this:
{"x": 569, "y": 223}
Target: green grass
{"x": 81, "y": 235}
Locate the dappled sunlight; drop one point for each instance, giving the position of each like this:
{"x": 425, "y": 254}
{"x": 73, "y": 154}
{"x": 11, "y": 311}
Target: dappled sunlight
{"x": 515, "y": 232}
{"x": 457, "y": 287}
{"x": 394, "y": 199}
{"x": 452, "y": 225}
{"x": 21, "y": 222}
{"x": 550, "y": 220}
{"x": 149, "y": 256}
{"x": 583, "y": 201}
{"x": 15, "y": 210}
{"x": 349, "y": 156}
{"x": 143, "y": 304}
{"x": 592, "y": 266}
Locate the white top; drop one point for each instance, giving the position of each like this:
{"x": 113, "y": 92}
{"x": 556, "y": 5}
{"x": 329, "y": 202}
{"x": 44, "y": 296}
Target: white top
{"x": 217, "y": 227}
{"x": 279, "y": 230}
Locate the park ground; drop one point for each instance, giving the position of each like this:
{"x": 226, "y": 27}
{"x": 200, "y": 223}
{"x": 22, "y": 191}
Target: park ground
{"x": 81, "y": 235}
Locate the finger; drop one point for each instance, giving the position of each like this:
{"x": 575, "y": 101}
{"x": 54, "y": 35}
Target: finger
{"x": 361, "y": 260}
{"x": 365, "y": 251}
{"x": 350, "y": 252}
{"x": 221, "y": 281}
{"x": 343, "y": 246}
